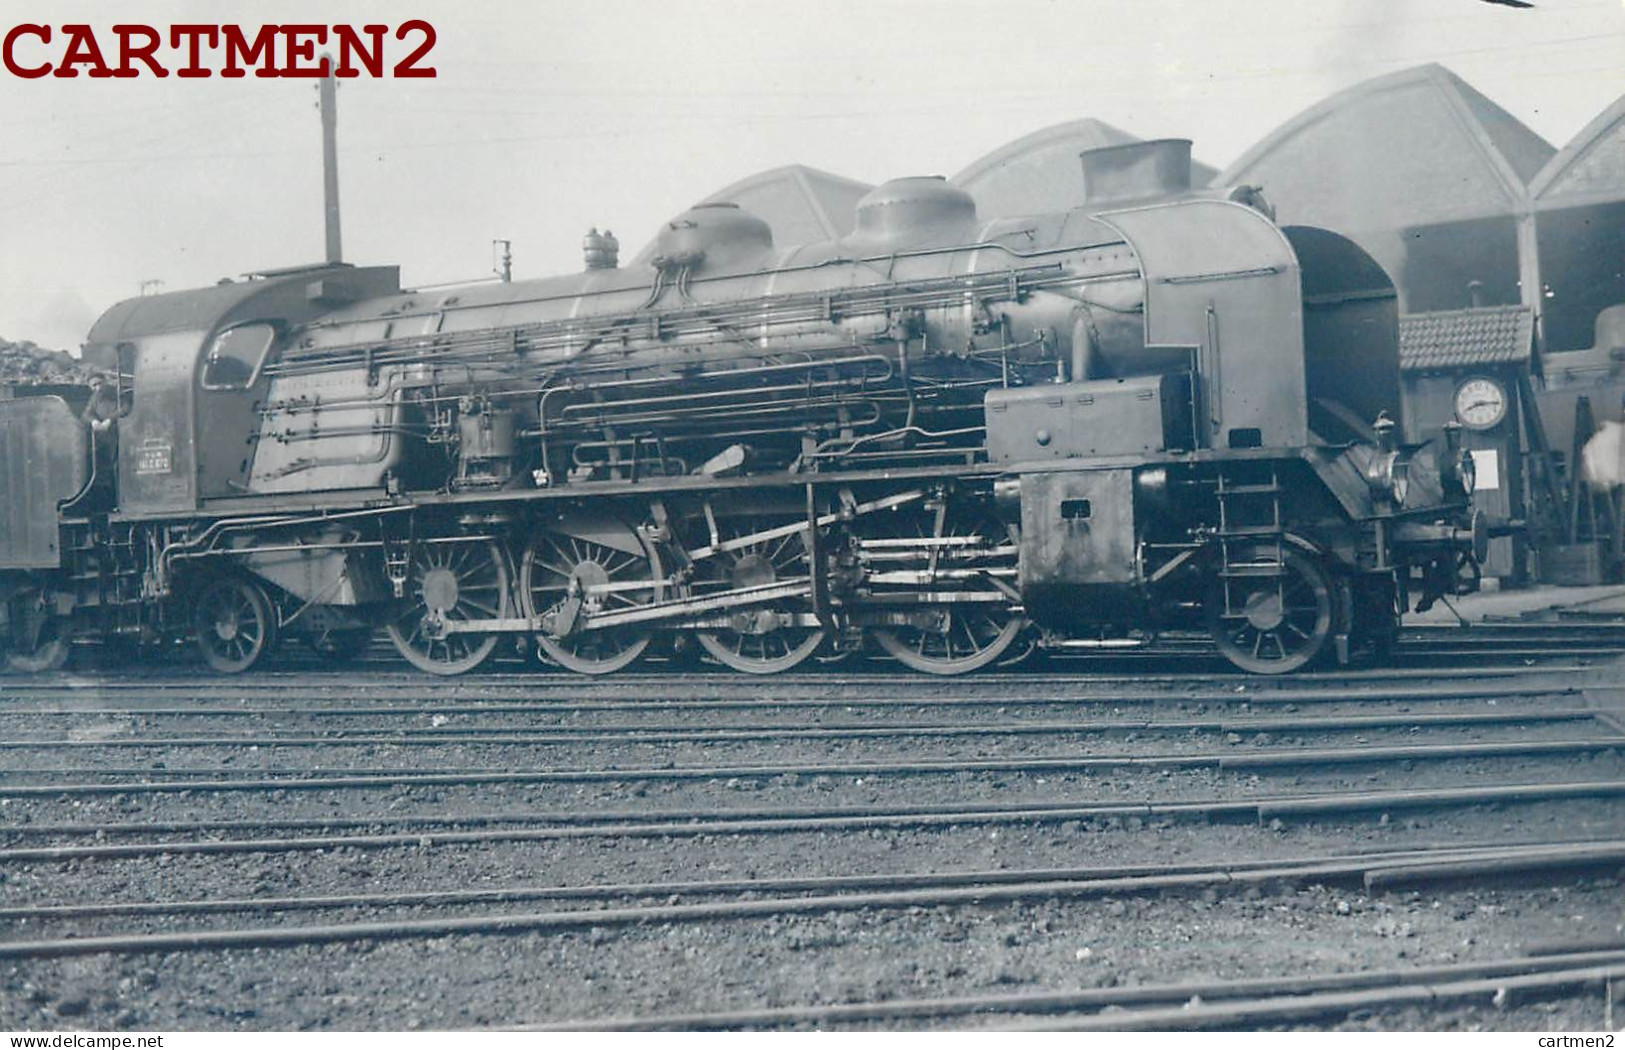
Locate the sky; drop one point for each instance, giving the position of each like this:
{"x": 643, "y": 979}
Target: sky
{"x": 550, "y": 116}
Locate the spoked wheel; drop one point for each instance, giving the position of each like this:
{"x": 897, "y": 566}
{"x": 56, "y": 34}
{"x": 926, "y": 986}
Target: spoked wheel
{"x": 1275, "y": 623}
{"x": 956, "y": 640}
{"x": 235, "y": 624}
{"x": 951, "y": 637}
{"x": 466, "y": 580}
{"x": 570, "y": 576}
{"x": 759, "y": 639}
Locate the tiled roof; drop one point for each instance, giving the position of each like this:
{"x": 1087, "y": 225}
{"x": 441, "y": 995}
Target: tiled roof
{"x": 1487, "y": 335}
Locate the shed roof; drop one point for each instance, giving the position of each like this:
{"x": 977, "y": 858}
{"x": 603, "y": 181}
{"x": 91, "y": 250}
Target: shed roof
{"x": 801, "y": 205}
{"x": 1419, "y": 146}
{"x": 1590, "y": 169}
{"x": 1488, "y": 335}
{"x": 1041, "y": 172}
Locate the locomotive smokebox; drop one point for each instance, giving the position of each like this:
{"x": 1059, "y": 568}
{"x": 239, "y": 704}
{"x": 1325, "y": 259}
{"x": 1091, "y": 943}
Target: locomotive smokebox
{"x": 1136, "y": 171}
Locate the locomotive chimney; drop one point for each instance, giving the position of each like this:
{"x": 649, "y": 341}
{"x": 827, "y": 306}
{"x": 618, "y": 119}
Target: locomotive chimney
{"x": 600, "y": 251}
{"x": 1136, "y": 170}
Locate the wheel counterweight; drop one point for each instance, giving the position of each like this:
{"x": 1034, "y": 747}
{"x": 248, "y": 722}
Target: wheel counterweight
{"x": 564, "y": 576}
{"x": 760, "y": 639}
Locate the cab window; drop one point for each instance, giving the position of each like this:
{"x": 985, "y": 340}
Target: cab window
{"x": 233, "y": 362}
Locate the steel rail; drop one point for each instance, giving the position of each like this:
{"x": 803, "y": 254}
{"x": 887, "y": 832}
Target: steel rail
{"x": 760, "y": 702}
{"x": 1260, "y": 809}
{"x": 1536, "y": 855}
{"x": 1086, "y": 999}
{"x": 1443, "y": 870}
{"x": 1289, "y": 1006}
{"x": 587, "y": 918}
{"x": 677, "y": 733}
{"x": 272, "y": 679}
{"x": 1258, "y": 759}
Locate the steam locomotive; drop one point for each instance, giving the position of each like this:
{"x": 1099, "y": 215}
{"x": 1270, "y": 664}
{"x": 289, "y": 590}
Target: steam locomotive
{"x": 938, "y": 438}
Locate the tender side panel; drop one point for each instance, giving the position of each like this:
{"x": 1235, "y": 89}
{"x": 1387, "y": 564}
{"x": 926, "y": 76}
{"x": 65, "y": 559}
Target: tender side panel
{"x": 43, "y": 460}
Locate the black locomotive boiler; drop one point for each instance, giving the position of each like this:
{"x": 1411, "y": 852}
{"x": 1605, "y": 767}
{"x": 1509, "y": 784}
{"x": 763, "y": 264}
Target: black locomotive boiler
{"x": 936, "y": 438}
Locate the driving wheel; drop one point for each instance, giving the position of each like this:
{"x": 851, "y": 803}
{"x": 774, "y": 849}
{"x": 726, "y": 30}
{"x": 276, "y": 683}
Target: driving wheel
{"x": 954, "y": 553}
{"x": 450, "y": 581}
{"x": 759, "y": 639}
{"x": 564, "y": 578}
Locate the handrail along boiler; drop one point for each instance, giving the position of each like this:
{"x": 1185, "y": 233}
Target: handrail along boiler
{"x": 939, "y": 436}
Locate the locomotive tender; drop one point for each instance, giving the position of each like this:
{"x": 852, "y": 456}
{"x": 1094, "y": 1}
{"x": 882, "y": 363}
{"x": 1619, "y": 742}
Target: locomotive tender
{"x": 939, "y": 436}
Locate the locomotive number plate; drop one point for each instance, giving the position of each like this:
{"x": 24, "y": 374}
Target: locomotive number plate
{"x": 154, "y": 459}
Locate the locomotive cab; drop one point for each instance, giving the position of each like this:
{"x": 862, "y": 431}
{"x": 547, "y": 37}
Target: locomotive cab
{"x": 198, "y": 367}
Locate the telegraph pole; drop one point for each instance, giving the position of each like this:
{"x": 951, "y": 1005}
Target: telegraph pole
{"x": 328, "y": 93}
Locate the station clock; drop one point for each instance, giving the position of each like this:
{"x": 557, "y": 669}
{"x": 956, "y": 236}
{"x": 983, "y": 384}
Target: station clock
{"x": 1481, "y": 402}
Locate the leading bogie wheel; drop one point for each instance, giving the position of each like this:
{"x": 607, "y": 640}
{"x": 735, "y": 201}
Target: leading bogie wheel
{"x": 448, "y": 581}
{"x": 235, "y": 624}
{"x": 1275, "y": 614}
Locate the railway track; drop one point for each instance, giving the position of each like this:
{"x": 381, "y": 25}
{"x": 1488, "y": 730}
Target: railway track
{"x": 752, "y": 902}
{"x": 646, "y": 833}
{"x": 1187, "y": 1007}
{"x": 1422, "y": 649}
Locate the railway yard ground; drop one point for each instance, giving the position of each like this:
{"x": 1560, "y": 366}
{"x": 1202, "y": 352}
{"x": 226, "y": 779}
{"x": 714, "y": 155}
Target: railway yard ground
{"x": 1141, "y": 840}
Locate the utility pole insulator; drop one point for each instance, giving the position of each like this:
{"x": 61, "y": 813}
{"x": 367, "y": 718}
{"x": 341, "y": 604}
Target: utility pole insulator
{"x": 328, "y": 93}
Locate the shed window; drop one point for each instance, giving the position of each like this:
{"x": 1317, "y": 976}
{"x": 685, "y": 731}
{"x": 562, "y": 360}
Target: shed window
{"x": 234, "y": 361}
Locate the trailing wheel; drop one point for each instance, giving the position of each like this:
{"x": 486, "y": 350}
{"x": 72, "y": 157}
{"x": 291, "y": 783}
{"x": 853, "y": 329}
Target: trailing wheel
{"x": 764, "y": 639}
{"x": 445, "y": 582}
{"x": 234, "y": 624}
{"x": 1273, "y": 614}
{"x": 955, "y": 559}
{"x": 565, "y": 578}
